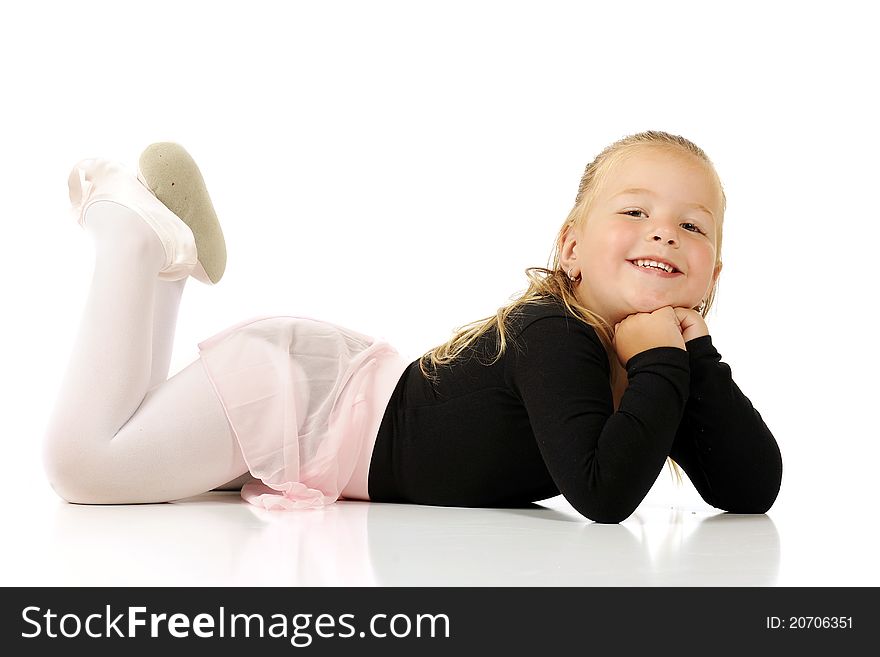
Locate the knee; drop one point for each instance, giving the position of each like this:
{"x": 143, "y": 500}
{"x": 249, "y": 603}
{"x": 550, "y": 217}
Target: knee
{"x": 71, "y": 475}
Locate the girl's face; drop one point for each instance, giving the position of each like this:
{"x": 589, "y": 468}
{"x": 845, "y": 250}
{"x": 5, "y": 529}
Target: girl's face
{"x": 664, "y": 222}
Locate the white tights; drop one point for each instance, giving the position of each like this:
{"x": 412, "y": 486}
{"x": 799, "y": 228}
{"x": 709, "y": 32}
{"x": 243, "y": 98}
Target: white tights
{"x": 120, "y": 433}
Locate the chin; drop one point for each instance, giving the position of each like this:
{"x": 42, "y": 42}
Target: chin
{"x": 651, "y": 306}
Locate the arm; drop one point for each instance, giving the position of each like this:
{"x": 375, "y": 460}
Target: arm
{"x": 723, "y": 444}
{"x": 603, "y": 462}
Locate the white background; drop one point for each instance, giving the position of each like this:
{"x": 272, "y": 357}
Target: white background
{"x": 395, "y": 166}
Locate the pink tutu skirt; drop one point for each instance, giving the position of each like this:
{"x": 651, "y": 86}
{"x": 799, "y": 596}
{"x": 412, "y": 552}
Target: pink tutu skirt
{"x": 305, "y": 399}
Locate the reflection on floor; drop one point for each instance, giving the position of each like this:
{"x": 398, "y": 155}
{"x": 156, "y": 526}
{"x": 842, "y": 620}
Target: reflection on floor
{"x": 216, "y": 539}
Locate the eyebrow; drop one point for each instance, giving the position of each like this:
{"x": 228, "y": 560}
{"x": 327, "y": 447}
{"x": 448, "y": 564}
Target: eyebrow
{"x": 640, "y": 190}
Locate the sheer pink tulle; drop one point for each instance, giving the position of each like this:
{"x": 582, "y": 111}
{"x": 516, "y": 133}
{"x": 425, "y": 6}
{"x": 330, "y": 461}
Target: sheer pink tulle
{"x": 305, "y": 399}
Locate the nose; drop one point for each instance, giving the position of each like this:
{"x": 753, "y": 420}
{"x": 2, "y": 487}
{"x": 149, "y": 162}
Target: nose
{"x": 669, "y": 240}
{"x": 664, "y": 233}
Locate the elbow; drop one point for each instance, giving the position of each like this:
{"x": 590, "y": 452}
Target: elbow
{"x": 753, "y": 491}
{"x": 609, "y": 520}
{"x": 764, "y": 494}
{"x": 603, "y": 514}
{"x": 755, "y": 499}
{"x": 756, "y": 504}
{"x": 755, "y": 508}
{"x": 605, "y": 505}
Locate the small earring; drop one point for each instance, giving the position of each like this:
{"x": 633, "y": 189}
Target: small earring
{"x": 701, "y": 306}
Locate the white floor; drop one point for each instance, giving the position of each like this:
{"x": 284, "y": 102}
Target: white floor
{"x": 217, "y": 539}
{"x": 332, "y": 209}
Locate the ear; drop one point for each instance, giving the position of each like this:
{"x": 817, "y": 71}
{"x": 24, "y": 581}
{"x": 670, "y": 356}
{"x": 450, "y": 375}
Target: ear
{"x": 568, "y": 235}
{"x": 717, "y": 273}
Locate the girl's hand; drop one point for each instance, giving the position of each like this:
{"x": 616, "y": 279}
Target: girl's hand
{"x": 691, "y": 322}
{"x": 642, "y": 331}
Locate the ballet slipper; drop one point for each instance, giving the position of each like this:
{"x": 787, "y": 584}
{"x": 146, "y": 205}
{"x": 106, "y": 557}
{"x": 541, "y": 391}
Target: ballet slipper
{"x": 97, "y": 179}
{"x": 169, "y": 171}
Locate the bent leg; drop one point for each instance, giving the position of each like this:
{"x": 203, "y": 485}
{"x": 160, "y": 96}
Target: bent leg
{"x": 178, "y": 443}
{"x": 109, "y": 440}
{"x": 166, "y": 305}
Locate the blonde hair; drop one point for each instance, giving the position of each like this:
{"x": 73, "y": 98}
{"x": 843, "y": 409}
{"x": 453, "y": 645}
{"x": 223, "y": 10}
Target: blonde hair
{"x": 553, "y": 281}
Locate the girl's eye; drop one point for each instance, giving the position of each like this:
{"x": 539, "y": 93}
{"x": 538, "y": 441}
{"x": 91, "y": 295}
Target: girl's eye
{"x": 685, "y": 224}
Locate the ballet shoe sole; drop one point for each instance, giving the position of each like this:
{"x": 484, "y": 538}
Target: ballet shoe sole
{"x": 171, "y": 174}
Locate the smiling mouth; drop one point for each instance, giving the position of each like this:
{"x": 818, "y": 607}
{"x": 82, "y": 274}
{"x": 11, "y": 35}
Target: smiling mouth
{"x": 653, "y": 271}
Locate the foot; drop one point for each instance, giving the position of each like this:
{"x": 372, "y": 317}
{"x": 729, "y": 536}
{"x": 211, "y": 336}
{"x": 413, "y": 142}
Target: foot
{"x": 168, "y": 170}
{"x": 95, "y": 179}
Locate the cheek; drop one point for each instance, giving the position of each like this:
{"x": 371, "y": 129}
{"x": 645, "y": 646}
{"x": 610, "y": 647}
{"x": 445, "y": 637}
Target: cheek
{"x": 702, "y": 264}
{"x": 607, "y": 248}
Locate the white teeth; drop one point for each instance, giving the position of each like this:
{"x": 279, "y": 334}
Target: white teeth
{"x": 655, "y": 264}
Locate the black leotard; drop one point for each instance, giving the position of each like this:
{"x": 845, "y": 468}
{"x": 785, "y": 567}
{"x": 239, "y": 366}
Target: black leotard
{"x": 540, "y": 422}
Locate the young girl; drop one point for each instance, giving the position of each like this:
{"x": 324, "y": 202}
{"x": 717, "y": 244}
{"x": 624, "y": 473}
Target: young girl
{"x": 583, "y": 386}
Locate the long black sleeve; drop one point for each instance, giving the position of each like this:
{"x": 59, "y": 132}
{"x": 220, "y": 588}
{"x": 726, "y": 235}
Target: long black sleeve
{"x": 540, "y": 421}
{"x": 722, "y": 443}
{"x": 603, "y": 462}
